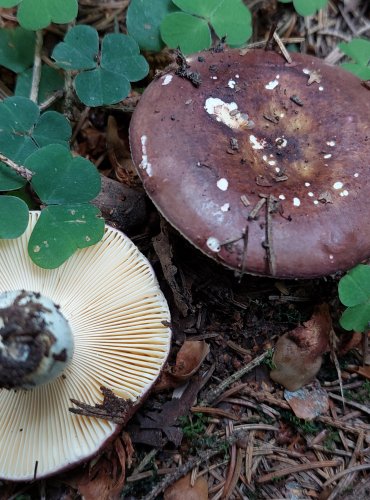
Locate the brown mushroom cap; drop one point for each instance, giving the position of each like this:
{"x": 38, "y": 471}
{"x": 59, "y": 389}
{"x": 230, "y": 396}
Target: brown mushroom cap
{"x": 290, "y": 139}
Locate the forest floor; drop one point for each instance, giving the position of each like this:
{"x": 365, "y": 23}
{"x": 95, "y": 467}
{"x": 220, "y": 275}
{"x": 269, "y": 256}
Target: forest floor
{"x": 230, "y": 430}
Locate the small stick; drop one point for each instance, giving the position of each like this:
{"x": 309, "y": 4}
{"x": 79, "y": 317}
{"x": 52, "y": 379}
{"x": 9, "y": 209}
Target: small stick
{"x": 281, "y": 45}
{"x": 359, "y": 406}
{"x": 217, "y": 391}
{"x": 270, "y": 36}
{"x": 182, "y": 471}
{"x": 20, "y": 169}
{"x": 254, "y": 212}
{"x": 269, "y": 245}
{"x": 36, "y": 73}
{"x": 342, "y": 473}
{"x": 299, "y": 468}
{"x": 50, "y": 100}
{"x": 365, "y": 346}
{"x": 245, "y": 246}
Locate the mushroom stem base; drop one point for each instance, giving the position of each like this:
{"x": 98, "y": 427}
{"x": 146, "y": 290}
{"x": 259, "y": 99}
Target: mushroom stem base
{"x": 36, "y": 341}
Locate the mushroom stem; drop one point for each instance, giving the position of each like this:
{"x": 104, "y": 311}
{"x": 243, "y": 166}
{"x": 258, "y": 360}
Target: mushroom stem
{"x": 36, "y": 341}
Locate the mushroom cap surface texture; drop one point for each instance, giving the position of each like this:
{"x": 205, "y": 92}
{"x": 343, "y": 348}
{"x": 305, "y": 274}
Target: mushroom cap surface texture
{"x": 111, "y": 299}
{"x": 265, "y": 165}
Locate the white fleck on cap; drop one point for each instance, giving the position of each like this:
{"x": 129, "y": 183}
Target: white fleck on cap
{"x": 110, "y": 297}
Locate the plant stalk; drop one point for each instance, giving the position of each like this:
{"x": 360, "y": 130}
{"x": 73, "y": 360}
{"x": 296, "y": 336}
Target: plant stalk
{"x": 20, "y": 169}
{"x": 36, "y": 74}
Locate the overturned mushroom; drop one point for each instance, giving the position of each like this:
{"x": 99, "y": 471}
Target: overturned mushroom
{"x": 264, "y": 166}
{"x": 97, "y": 325}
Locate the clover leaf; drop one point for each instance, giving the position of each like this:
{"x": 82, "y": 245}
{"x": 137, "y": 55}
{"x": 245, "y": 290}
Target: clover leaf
{"x": 359, "y": 50}
{"x": 51, "y": 81}
{"x": 143, "y": 20}
{"x": 60, "y": 178}
{"x": 104, "y": 77}
{"x": 23, "y": 131}
{"x": 79, "y": 49}
{"x": 63, "y": 229}
{"x": 37, "y": 14}
{"x": 306, "y": 7}
{"x": 14, "y": 217}
{"x": 188, "y": 32}
{"x": 354, "y": 292}
{"x": 66, "y": 184}
{"x": 190, "y": 29}
{"x": 17, "y": 48}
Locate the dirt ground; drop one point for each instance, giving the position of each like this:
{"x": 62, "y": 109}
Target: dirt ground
{"x": 226, "y": 426}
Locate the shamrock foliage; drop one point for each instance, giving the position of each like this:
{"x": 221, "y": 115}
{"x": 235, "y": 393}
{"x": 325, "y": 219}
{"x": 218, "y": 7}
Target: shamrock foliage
{"x": 105, "y": 73}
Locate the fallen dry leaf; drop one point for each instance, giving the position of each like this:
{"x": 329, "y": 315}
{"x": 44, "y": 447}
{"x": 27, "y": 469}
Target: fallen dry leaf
{"x": 166, "y": 420}
{"x": 298, "y": 354}
{"x": 188, "y": 361}
{"x": 362, "y": 370}
{"x": 164, "y": 251}
{"x": 308, "y": 402}
{"x": 119, "y": 155}
{"x": 182, "y": 489}
{"x": 315, "y": 76}
{"x": 105, "y": 479}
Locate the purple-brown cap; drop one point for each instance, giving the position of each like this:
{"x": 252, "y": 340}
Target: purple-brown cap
{"x": 263, "y": 166}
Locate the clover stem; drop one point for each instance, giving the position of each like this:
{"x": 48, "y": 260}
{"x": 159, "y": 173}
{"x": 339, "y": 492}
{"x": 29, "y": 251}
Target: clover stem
{"x": 36, "y": 74}
{"x": 20, "y": 169}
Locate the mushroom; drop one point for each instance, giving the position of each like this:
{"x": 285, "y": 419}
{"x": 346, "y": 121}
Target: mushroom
{"x": 264, "y": 165}
{"x": 96, "y": 326}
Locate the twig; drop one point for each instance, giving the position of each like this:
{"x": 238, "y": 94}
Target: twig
{"x": 365, "y": 346}
{"x": 68, "y": 95}
{"x": 217, "y": 391}
{"x": 68, "y": 89}
{"x": 215, "y": 411}
{"x": 269, "y": 240}
{"x": 254, "y": 212}
{"x": 182, "y": 471}
{"x": 229, "y": 487}
{"x": 36, "y": 73}
{"x": 281, "y": 45}
{"x": 297, "y": 468}
{"x": 262, "y": 43}
{"x": 20, "y": 169}
{"x": 249, "y": 457}
{"x": 345, "y": 481}
{"x": 269, "y": 398}
{"x": 342, "y": 473}
{"x": 50, "y": 100}
{"x": 359, "y": 406}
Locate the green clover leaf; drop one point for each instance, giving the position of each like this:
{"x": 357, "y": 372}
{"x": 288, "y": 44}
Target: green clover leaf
{"x": 60, "y": 178}
{"x": 357, "y": 49}
{"x": 190, "y": 29}
{"x": 188, "y": 32}
{"x": 143, "y": 20}
{"x": 51, "y": 81}
{"x": 354, "y": 292}
{"x": 307, "y": 7}
{"x": 63, "y": 229}
{"x": 79, "y": 50}
{"x": 14, "y": 217}
{"x": 37, "y": 14}
{"x": 107, "y": 75}
{"x": 23, "y": 131}
{"x": 17, "y": 47}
